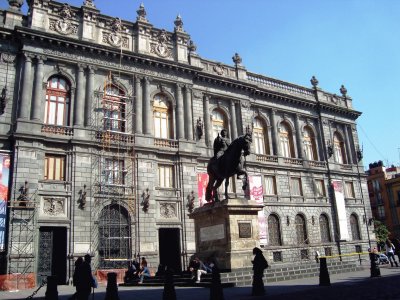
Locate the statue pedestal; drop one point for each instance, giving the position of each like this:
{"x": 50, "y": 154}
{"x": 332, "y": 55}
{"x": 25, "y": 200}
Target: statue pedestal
{"x": 227, "y": 231}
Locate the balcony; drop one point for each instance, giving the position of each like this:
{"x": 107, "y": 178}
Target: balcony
{"x": 165, "y": 143}
{"x": 59, "y": 130}
{"x": 266, "y": 158}
{"x": 115, "y": 137}
{"x": 293, "y": 161}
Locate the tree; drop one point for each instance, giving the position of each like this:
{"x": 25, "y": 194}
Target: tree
{"x": 381, "y": 232}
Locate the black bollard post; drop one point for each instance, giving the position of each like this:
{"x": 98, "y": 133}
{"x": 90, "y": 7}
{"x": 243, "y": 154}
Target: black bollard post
{"x": 324, "y": 279}
{"x": 169, "y": 287}
{"x": 112, "y": 289}
{"x": 216, "y": 290}
{"x": 51, "y": 290}
{"x": 375, "y": 271}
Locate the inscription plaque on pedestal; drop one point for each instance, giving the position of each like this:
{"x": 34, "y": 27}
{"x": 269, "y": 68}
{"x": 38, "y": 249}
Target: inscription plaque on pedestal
{"x": 244, "y": 229}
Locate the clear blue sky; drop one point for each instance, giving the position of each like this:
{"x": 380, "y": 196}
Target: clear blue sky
{"x": 350, "y": 42}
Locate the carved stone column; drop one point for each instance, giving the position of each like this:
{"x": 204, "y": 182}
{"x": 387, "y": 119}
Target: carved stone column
{"x": 349, "y": 151}
{"x": 138, "y": 105}
{"x": 24, "y": 110}
{"x": 299, "y": 137}
{"x": 80, "y": 100}
{"x": 37, "y": 97}
{"x": 89, "y": 95}
{"x": 188, "y": 113}
{"x": 179, "y": 112}
{"x": 233, "y": 120}
{"x": 207, "y": 125}
{"x": 319, "y": 140}
{"x": 275, "y": 142}
{"x": 147, "y": 107}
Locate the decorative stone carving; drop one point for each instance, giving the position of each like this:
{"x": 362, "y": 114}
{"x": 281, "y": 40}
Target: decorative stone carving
{"x": 7, "y": 57}
{"x": 53, "y": 206}
{"x": 197, "y": 94}
{"x": 244, "y": 230}
{"x": 218, "y": 69}
{"x": 168, "y": 210}
{"x": 178, "y": 23}
{"x": 115, "y": 40}
{"x": 245, "y": 104}
{"x": 343, "y": 91}
{"x": 141, "y": 13}
{"x": 161, "y": 48}
{"x": 314, "y": 82}
{"x": 16, "y": 4}
{"x": 89, "y": 3}
{"x": 64, "y": 25}
{"x": 237, "y": 60}
{"x": 192, "y": 46}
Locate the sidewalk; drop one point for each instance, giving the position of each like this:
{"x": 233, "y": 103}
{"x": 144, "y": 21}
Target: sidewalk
{"x": 355, "y": 285}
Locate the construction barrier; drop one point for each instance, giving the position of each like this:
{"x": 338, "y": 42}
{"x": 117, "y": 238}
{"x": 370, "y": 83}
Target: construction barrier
{"x": 17, "y": 281}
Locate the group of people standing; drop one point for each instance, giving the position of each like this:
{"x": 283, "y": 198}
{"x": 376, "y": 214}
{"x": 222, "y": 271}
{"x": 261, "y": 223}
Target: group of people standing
{"x": 83, "y": 279}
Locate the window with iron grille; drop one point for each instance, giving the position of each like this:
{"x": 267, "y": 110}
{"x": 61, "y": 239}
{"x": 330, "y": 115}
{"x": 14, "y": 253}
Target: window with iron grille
{"x": 328, "y": 251}
{"x": 114, "y": 237}
{"x": 274, "y": 231}
{"x": 358, "y": 248}
{"x": 304, "y": 254}
{"x": 113, "y": 171}
{"x": 301, "y": 233}
{"x": 355, "y": 229}
{"x": 324, "y": 229}
{"x": 277, "y": 256}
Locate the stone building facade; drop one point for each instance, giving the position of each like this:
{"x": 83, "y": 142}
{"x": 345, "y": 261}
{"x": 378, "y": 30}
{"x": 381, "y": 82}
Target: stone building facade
{"x": 109, "y": 125}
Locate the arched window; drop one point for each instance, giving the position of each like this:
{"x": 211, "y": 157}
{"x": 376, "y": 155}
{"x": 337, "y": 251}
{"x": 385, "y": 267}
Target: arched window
{"x": 260, "y": 137}
{"x": 219, "y": 122}
{"x": 58, "y": 95}
{"x": 355, "y": 228}
{"x": 162, "y": 117}
{"x": 301, "y": 231}
{"x": 324, "y": 229}
{"x": 274, "y": 230}
{"x": 114, "y": 237}
{"x": 338, "y": 146}
{"x": 310, "y": 147}
{"x": 114, "y": 109}
{"x": 286, "y": 140}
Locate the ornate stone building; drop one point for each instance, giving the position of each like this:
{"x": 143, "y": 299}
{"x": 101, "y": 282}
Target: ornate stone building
{"x": 108, "y": 126}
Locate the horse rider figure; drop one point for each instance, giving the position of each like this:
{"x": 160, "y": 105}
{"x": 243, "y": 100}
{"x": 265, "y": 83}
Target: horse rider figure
{"x": 221, "y": 143}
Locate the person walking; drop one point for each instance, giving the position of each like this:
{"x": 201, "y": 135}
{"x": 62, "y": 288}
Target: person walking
{"x": 84, "y": 279}
{"x": 389, "y": 247}
{"x": 259, "y": 265}
{"x": 78, "y": 263}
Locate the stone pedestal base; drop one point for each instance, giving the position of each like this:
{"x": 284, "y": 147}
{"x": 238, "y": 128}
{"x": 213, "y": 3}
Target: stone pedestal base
{"x": 227, "y": 232}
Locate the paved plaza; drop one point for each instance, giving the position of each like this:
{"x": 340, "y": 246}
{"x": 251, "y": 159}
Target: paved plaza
{"x": 355, "y": 285}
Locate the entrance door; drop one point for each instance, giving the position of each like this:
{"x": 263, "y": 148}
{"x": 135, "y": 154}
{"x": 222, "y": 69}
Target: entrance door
{"x": 52, "y": 253}
{"x": 170, "y": 250}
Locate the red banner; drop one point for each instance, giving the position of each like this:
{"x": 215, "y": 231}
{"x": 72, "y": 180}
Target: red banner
{"x": 202, "y": 181}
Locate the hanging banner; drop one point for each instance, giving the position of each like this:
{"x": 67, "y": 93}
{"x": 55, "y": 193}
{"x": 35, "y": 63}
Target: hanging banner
{"x": 256, "y": 194}
{"x": 202, "y": 181}
{"x": 4, "y": 179}
{"x": 340, "y": 210}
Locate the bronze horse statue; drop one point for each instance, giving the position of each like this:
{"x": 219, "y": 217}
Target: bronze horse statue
{"x": 229, "y": 164}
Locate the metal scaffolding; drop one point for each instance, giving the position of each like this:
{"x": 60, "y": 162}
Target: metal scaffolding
{"x": 112, "y": 203}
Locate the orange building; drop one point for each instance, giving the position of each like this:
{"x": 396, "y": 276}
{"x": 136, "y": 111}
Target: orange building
{"x": 384, "y": 194}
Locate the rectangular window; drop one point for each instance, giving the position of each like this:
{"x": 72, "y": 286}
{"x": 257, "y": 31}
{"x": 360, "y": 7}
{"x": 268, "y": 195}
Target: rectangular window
{"x": 113, "y": 171}
{"x": 328, "y": 251}
{"x": 277, "y": 256}
{"x": 349, "y": 190}
{"x": 381, "y": 212}
{"x": 269, "y": 185}
{"x": 54, "y": 167}
{"x": 295, "y": 185}
{"x": 320, "y": 188}
{"x": 304, "y": 254}
{"x": 165, "y": 176}
{"x": 358, "y": 248}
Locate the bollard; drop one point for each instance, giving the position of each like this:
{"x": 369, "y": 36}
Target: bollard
{"x": 324, "y": 279}
{"x": 112, "y": 289}
{"x": 216, "y": 290}
{"x": 169, "y": 288}
{"x": 375, "y": 271}
{"x": 51, "y": 290}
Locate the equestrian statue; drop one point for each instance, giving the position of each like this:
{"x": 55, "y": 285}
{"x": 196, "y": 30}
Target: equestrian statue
{"x": 227, "y": 161}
